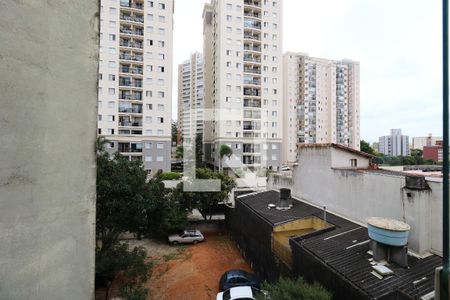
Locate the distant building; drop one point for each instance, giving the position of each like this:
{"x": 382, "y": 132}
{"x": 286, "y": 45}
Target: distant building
{"x": 135, "y": 80}
{"x": 394, "y": 144}
{"x": 191, "y": 94}
{"x": 243, "y": 81}
{"x": 375, "y": 146}
{"x": 434, "y": 152}
{"x": 420, "y": 142}
{"x": 321, "y": 102}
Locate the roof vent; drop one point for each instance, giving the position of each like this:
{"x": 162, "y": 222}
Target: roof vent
{"x": 285, "y": 196}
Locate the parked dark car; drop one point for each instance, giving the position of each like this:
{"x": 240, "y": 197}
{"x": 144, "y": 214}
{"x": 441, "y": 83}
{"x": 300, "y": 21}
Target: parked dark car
{"x": 233, "y": 278}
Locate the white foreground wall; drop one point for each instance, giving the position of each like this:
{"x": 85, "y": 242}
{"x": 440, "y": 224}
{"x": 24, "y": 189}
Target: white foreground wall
{"x": 48, "y": 71}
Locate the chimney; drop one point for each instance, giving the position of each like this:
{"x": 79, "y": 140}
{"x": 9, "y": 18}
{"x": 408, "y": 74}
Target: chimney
{"x": 285, "y": 196}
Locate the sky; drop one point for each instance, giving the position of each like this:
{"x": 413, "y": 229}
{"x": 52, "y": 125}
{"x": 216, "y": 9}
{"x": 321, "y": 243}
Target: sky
{"x": 397, "y": 42}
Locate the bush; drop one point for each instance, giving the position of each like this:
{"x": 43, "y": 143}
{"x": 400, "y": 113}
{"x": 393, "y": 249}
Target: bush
{"x": 170, "y": 176}
{"x": 119, "y": 258}
{"x": 289, "y": 289}
{"x": 130, "y": 292}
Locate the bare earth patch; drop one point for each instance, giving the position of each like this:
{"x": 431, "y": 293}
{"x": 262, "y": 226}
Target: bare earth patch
{"x": 193, "y": 271}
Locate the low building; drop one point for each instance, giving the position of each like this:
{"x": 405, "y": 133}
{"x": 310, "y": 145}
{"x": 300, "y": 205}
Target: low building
{"x": 324, "y": 247}
{"x": 434, "y": 152}
{"x": 420, "y": 142}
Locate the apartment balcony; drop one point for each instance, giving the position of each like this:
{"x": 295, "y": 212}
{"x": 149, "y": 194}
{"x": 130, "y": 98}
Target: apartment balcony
{"x": 252, "y": 70}
{"x": 137, "y": 96}
{"x": 125, "y": 30}
{"x": 132, "y": 18}
{"x": 252, "y": 48}
{"x": 130, "y": 109}
{"x": 252, "y": 82}
{"x": 252, "y": 114}
{"x": 133, "y": 71}
{"x": 252, "y": 24}
{"x": 131, "y": 6}
{"x": 252, "y": 3}
{"x": 251, "y": 160}
{"x": 131, "y": 84}
{"x": 252, "y": 103}
{"x": 252, "y": 14}
{"x": 130, "y": 124}
{"x": 252, "y": 92}
{"x": 251, "y": 125}
{"x": 253, "y": 37}
{"x": 252, "y": 59}
{"x": 130, "y": 57}
{"x": 128, "y": 44}
{"x": 130, "y": 147}
{"x": 251, "y": 134}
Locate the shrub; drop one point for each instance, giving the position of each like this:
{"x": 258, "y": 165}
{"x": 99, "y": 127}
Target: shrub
{"x": 133, "y": 292}
{"x": 170, "y": 176}
{"x": 294, "y": 289}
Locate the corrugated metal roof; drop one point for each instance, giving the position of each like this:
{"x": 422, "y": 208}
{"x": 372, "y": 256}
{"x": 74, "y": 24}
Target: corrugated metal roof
{"x": 344, "y": 250}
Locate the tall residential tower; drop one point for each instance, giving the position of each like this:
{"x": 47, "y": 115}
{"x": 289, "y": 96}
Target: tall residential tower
{"x": 395, "y": 144}
{"x": 191, "y": 94}
{"x": 243, "y": 81}
{"x": 135, "y": 79}
{"x": 321, "y": 102}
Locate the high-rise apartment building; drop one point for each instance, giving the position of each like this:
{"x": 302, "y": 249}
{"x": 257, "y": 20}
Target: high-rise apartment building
{"x": 243, "y": 81}
{"x": 321, "y": 102}
{"x": 135, "y": 79}
{"x": 394, "y": 144}
{"x": 191, "y": 94}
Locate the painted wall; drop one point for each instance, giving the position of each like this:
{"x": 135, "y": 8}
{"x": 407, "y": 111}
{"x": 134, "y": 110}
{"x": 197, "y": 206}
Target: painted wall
{"x": 48, "y": 71}
{"x": 359, "y": 194}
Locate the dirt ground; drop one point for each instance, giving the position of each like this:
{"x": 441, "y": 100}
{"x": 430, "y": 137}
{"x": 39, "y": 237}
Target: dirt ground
{"x": 193, "y": 271}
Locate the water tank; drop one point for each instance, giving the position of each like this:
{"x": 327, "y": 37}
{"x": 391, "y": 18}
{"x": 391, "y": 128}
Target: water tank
{"x": 388, "y": 231}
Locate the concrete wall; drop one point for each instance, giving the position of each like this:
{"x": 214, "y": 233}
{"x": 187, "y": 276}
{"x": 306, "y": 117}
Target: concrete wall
{"x": 359, "y": 194}
{"x": 48, "y": 71}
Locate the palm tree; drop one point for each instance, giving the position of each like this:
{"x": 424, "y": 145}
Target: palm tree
{"x": 225, "y": 150}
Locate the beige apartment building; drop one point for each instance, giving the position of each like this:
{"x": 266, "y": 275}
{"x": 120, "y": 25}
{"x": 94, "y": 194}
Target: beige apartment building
{"x": 243, "y": 81}
{"x": 135, "y": 79}
{"x": 191, "y": 95}
{"x": 321, "y": 103}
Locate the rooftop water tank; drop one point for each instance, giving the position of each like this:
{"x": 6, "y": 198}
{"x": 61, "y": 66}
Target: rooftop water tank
{"x": 388, "y": 231}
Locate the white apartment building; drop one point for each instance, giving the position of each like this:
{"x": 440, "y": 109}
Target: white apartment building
{"x": 321, "y": 103}
{"x": 394, "y": 144}
{"x": 135, "y": 79}
{"x": 243, "y": 81}
{"x": 191, "y": 94}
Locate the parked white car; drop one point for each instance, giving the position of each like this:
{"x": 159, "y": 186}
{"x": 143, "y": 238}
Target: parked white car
{"x": 187, "y": 237}
{"x": 240, "y": 292}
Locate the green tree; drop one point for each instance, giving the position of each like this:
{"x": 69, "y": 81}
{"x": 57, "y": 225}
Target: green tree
{"x": 224, "y": 150}
{"x": 174, "y": 131}
{"x": 199, "y": 150}
{"x": 365, "y": 147}
{"x": 179, "y": 152}
{"x": 205, "y": 202}
{"x": 294, "y": 289}
{"x": 127, "y": 202}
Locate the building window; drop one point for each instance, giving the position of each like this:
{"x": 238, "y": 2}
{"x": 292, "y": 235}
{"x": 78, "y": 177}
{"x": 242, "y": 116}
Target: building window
{"x": 159, "y": 146}
{"x": 353, "y": 163}
{"x": 160, "y": 158}
{"x": 148, "y": 158}
{"x": 162, "y": 6}
{"x": 148, "y": 145}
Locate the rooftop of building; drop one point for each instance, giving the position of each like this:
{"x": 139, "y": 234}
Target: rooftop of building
{"x": 344, "y": 250}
